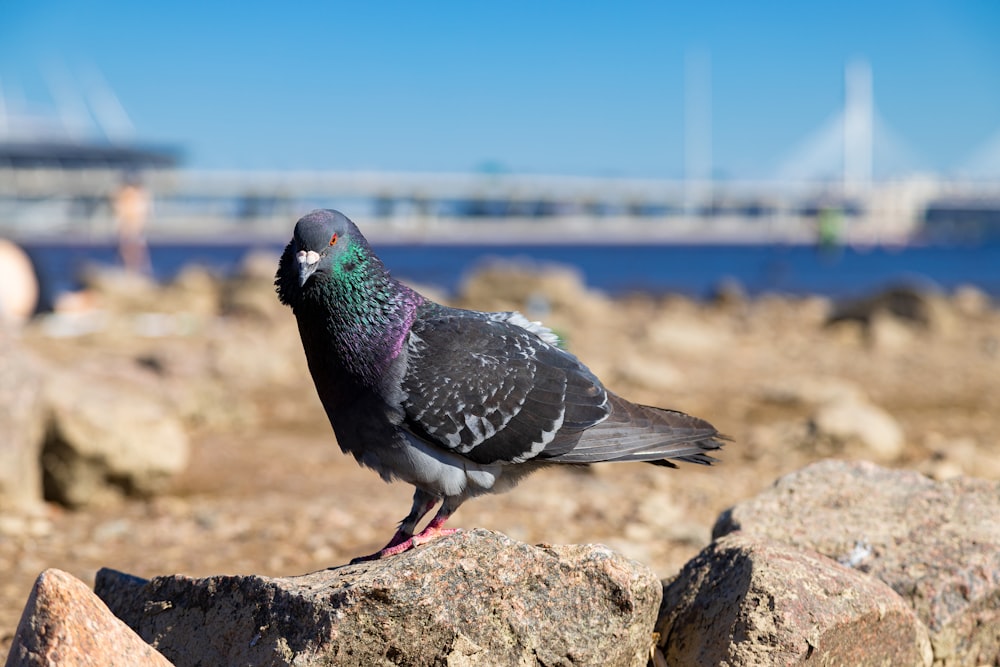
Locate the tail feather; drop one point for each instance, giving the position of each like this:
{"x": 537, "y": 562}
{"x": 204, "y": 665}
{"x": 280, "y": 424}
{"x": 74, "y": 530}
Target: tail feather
{"x": 636, "y": 432}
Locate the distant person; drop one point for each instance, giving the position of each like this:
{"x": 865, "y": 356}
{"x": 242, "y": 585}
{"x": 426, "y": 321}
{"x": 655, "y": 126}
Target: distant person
{"x": 131, "y": 206}
{"x": 828, "y": 228}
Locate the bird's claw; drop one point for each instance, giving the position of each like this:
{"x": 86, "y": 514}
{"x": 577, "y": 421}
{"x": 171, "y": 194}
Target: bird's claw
{"x": 431, "y": 534}
{"x": 397, "y": 546}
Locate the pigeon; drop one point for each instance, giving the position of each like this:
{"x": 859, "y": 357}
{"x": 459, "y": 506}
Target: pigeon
{"x": 457, "y": 403}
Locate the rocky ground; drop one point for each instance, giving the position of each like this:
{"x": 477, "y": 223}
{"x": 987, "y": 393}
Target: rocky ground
{"x": 909, "y": 380}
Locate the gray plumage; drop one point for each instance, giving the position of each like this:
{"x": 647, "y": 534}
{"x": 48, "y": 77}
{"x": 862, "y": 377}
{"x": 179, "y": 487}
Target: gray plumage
{"x": 457, "y": 403}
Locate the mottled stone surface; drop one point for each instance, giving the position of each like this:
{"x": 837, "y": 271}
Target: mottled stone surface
{"x": 937, "y": 544}
{"x": 475, "y": 598}
{"x": 107, "y": 434}
{"x": 22, "y": 426}
{"x": 746, "y": 601}
{"x": 65, "y": 625}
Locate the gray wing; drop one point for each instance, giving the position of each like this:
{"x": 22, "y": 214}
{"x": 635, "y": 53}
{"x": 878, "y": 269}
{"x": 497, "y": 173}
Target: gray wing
{"x": 636, "y": 432}
{"x": 494, "y": 391}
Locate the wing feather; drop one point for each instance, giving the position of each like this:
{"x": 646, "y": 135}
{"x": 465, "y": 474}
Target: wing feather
{"x": 494, "y": 390}
{"x": 490, "y": 388}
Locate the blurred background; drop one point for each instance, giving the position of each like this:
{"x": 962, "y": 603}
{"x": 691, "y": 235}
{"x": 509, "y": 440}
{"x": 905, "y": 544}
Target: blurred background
{"x": 784, "y": 218}
{"x": 516, "y": 125}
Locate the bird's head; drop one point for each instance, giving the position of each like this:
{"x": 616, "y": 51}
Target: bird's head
{"x": 325, "y": 245}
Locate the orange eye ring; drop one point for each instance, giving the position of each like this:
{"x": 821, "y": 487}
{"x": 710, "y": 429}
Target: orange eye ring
{"x": 333, "y": 239}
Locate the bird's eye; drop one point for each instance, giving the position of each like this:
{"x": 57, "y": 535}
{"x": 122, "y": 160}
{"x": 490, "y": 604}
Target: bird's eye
{"x": 333, "y": 240}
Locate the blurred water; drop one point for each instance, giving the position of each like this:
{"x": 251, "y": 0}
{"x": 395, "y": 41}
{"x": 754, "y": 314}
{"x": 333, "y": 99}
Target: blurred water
{"x": 694, "y": 270}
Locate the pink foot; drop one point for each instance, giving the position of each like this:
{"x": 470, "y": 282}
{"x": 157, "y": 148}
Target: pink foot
{"x": 395, "y": 546}
{"x": 430, "y": 533}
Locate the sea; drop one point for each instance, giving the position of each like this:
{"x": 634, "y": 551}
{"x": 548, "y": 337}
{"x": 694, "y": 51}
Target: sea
{"x": 694, "y": 270}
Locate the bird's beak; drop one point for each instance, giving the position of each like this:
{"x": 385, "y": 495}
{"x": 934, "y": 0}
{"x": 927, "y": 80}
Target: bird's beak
{"x": 308, "y": 261}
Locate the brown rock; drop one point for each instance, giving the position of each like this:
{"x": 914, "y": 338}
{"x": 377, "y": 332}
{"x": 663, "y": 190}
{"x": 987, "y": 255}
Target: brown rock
{"x": 551, "y": 292}
{"x": 22, "y": 427}
{"x": 971, "y": 301}
{"x": 118, "y": 290}
{"x": 194, "y": 291}
{"x": 18, "y": 285}
{"x": 875, "y": 429}
{"x": 808, "y": 391}
{"x": 250, "y": 293}
{"x": 689, "y": 334}
{"x": 916, "y": 305}
{"x": 252, "y": 357}
{"x": 65, "y": 624}
{"x": 937, "y": 544}
{"x": 105, "y": 436}
{"x": 475, "y": 598}
{"x": 748, "y": 601}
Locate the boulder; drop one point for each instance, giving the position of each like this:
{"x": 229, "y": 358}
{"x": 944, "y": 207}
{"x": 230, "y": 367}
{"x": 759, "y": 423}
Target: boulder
{"x": 22, "y": 427}
{"x": 546, "y": 291}
{"x": 108, "y": 435}
{"x": 920, "y": 305}
{"x": 971, "y": 301}
{"x": 65, "y": 624}
{"x": 844, "y": 421}
{"x": 652, "y": 373}
{"x": 120, "y": 291}
{"x": 886, "y": 332}
{"x": 255, "y": 357}
{"x": 808, "y": 391}
{"x": 18, "y": 285}
{"x": 937, "y": 544}
{"x": 839, "y": 412}
{"x": 748, "y": 601}
{"x": 195, "y": 291}
{"x": 250, "y": 292}
{"x": 682, "y": 334}
{"x": 473, "y": 598}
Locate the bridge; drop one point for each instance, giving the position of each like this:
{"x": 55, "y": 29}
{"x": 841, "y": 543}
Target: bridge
{"x": 542, "y": 208}
{"x": 852, "y": 172}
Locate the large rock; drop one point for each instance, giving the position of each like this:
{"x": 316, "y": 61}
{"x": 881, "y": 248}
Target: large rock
{"x": 250, "y": 293}
{"x": 840, "y": 415}
{"x": 255, "y": 357}
{"x": 746, "y": 601}
{"x": 808, "y": 392}
{"x": 549, "y": 292}
{"x": 857, "y": 420}
{"x": 120, "y": 291}
{"x": 195, "y": 291}
{"x": 22, "y": 427}
{"x": 686, "y": 334}
{"x": 107, "y": 435}
{"x": 475, "y": 598}
{"x": 65, "y": 625}
{"x": 518, "y": 283}
{"x": 937, "y": 544}
{"x": 18, "y": 285}
{"x": 919, "y": 304}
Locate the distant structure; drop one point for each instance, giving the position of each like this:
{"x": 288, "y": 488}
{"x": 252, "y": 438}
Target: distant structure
{"x": 984, "y": 162}
{"x": 850, "y": 181}
{"x": 58, "y": 168}
{"x": 69, "y": 140}
{"x": 697, "y": 128}
{"x": 859, "y": 115}
{"x": 854, "y": 147}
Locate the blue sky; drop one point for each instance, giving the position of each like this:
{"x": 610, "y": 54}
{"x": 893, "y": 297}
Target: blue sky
{"x": 549, "y": 87}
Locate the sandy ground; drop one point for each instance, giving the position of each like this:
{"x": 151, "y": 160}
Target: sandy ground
{"x": 277, "y": 497}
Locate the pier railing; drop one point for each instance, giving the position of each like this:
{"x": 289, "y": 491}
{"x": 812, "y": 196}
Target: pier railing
{"x": 476, "y": 206}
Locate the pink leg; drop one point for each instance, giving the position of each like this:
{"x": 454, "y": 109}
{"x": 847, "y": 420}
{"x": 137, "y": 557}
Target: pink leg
{"x": 404, "y": 541}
